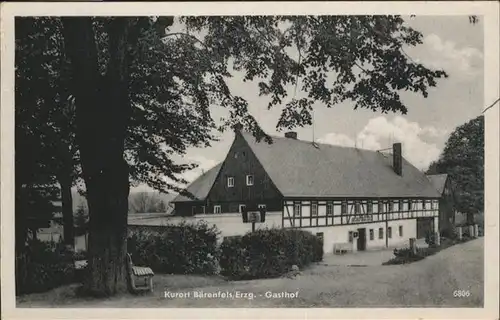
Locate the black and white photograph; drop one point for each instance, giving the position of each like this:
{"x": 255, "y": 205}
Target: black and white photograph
{"x": 169, "y": 159}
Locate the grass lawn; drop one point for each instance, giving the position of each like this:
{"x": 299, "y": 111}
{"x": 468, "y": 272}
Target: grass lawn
{"x": 429, "y": 282}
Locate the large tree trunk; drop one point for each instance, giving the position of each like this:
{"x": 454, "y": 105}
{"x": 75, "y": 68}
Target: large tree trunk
{"x": 102, "y": 111}
{"x": 65, "y": 182}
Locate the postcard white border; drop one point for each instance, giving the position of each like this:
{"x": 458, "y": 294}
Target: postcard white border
{"x": 489, "y": 12}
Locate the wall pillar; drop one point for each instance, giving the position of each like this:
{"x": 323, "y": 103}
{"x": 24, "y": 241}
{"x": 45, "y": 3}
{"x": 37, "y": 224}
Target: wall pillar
{"x": 471, "y": 231}
{"x": 413, "y": 245}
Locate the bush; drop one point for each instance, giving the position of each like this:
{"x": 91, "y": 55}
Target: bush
{"x": 42, "y": 267}
{"x": 449, "y": 233}
{"x": 180, "y": 249}
{"x": 430, "y": 239}
{"x": 268, "y": 253}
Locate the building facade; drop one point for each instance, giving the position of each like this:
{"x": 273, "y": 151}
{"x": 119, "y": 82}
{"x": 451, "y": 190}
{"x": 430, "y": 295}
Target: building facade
{"x": 447, "y": 207}
{"x": 358, "y": 198}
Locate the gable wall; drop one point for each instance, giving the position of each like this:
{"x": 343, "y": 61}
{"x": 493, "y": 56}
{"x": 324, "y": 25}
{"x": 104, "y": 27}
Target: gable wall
{"x": 240, "y": 162}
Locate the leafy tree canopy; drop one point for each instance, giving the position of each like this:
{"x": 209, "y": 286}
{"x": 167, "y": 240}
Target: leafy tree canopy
{"x": 175, "y": 76}
{"x": 463, "y": 161}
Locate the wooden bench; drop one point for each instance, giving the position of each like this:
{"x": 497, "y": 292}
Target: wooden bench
{"x": 341, "y": 248}
{"x": 143, "y": 275}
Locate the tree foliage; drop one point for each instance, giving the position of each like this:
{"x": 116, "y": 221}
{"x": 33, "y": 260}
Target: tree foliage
{"x": 463, "y": 161}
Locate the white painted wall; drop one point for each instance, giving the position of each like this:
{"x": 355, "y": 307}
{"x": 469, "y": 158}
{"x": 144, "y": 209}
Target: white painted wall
{"x": 230, "y": 224}
{"x": 340, "y": 234}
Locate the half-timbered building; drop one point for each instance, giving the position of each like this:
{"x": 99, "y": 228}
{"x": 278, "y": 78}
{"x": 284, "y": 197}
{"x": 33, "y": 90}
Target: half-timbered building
{"x": 447, "y": 208}
{"x": 360, "y": 198}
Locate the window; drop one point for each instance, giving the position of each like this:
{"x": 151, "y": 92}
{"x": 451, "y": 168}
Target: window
{"x": 217, "y": 209}
{"x": 344, "y": 207}
{"x": 314, "y": 209}
{"x": 350, "y": 236}
{"x": 424, "y": 204}
{"x": 204, "y": 209}
{"x": 372, "y": 236}
{"x": 389, "y": 232}
{"x": 230, "y": 182}
{"x": 400, "y": 231}
{"x": 409, "y": 205}
{"x": 242, "y": 207}
{"x": 369, "y": 207}
{"x": 400, "y": 205}
{"x": 381, "y": 207}
{"x": 329, "y": 209}
{"x": 193, "y": 210}
{"x": 391, "y": 206}
{"x": 297, "y": 208}
{"x": 432, "y": 204}
{"x": 380, "y": 233}
{"x": 249, "y": 180}
{"x": 263, "y": 206}
{"x": 236, "y": 155}
{"x": 357, "y": 207}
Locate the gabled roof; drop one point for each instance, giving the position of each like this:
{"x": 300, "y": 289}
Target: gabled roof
{"x": 200, "y": 186}
{"x": 303, "y": 169}
{"x": 438, "y": 181}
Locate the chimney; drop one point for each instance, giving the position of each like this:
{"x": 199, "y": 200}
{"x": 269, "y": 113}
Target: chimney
{"x": 291, "y": 135}
{"x": 397, "y": 159}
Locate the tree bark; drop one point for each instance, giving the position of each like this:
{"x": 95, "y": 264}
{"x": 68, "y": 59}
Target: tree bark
{"x": 102, "y": 112}
{"x": 67, "y": 210}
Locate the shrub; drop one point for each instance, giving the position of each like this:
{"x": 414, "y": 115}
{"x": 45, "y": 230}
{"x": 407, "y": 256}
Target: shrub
{"x": 449, "y": 233}
{"x": 268, "y": 253}
{"x": 180, "y": 249}
{"x": 42, "y": 267}
{"x": 430, "y": 239}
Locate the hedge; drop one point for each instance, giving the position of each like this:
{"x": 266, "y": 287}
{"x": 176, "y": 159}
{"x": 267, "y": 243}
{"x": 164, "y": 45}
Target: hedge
{"x": 42, "y": 267}
{"x": 178, "y": 249}
{"x": 268, "y": 253}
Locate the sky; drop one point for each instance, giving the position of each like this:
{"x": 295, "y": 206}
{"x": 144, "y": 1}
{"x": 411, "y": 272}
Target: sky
{"x": 450, "y": 43}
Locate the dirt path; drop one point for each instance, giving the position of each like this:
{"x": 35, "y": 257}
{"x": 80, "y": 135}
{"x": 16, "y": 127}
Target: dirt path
{"x": 429, "y": 282}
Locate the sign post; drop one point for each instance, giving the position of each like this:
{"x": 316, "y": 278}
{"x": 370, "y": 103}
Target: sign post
{"x": 253, "y": 216}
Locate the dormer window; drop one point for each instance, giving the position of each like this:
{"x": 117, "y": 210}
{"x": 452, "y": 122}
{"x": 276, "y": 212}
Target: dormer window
{"x": 230, "y": 182}
{"x": 249, "y": 180}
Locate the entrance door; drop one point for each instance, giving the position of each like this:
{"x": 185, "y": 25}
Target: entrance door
{"x": 362, "y": 239}
{"x": 424, "y": 225}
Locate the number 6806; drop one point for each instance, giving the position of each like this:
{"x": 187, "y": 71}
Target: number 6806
{"x": 461, "y": 293}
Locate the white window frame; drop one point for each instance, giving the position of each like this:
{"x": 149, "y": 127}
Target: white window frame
{"x": 314, "y": 213}
{"x": 297, "y": 209}
{"x": 343, "y": 207}
{"x": 357, "y": 207}
{"x": 230, "y": 179}
{"x": 240, "y": 210}
{"x": 217, "y": 207}
{"x": 248, "y": 182}
{"x": 381, "y": 206}
{"x": 369, "y": 207}
{"x": 329, "y": 209}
